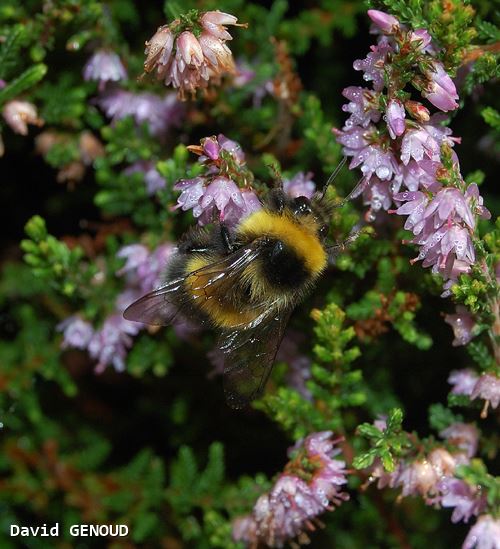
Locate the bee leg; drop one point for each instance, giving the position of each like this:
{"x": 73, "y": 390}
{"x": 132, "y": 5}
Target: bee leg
{"x": 277, "y": 200}
{"x": 226, "y": 239}
{"x": 341, "y": 246}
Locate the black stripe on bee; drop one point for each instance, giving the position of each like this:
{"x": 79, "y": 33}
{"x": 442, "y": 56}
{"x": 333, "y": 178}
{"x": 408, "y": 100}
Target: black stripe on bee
{"x": 281, "y": 266}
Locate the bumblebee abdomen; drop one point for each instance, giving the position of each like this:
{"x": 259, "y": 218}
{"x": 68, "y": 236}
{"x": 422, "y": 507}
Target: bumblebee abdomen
{"x": 282, "y": 266}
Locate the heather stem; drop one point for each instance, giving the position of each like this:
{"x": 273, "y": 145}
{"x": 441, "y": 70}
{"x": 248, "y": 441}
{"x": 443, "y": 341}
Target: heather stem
{"x": 172, "y": 9}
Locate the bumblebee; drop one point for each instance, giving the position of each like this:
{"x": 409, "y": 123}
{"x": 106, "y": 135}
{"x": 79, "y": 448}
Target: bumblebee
{"x": 245, "y": 283}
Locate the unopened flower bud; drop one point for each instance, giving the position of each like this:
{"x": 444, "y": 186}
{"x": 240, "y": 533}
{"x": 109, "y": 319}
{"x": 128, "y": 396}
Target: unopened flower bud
{"x": 395, "y": 116}
{"x": 440, "y": 89}
{"x": 18, "y": 114}
{"x": 417, "y": 111}
{"x": 385, "y": 22}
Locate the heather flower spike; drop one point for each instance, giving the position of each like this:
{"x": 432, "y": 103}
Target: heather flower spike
{"x": 223, "y": 193}
{"x": 192, "y": 54}
{"x": 394, "y": 151}
{"x": 309, "y": 486}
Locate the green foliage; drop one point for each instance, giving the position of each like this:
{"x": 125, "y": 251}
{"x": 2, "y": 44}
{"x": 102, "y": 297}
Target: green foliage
{"x": 449, "y": 23}
{"x": 192, "y": 489}
{"x": 318, "y": 134}
{"x": 486, "y": 67}
{"x": 334, "y": 385}
{"x": 387, "y": 445}
{"x": 52, "y": 260}
{"x": 10, "y": 48}
{"x": 441, "y": 417}
{"x": 477, "y": 475}
{"x": 491, "y": 117}
{"x": 137, "y": 447}
{"x": 23, "y": 82}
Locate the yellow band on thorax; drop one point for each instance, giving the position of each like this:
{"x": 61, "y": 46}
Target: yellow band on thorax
{"x": 298, "y": 237}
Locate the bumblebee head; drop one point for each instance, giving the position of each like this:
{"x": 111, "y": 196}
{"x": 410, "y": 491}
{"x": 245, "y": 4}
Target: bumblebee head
{"x": 313, "y": 214}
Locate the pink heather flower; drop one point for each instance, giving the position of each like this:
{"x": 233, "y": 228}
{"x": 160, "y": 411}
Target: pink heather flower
{"x": 414, "y": 207}
{"x": 418, "y": 144}
{"x": 420, "y": 174}
{"x": 462, "y": 435}
{"x": 466, "y": 500}
{"x": 189, "y": 52}
{"x": 423, "y": 39}
{"x": 104, "y": 66}
{"x": 475, "y": 201}
{"x": 449, "y": 203}
{"x": 293, "y": 503}
{"x": 441, "y": 247}
{"x": 110, "y": 344}
{"x": 463, "y": 324}
{"x": 214, "y": 21}
{"x": 463, "y": 381}
{"x": 159, "y": 113}
{"x": 443, "y": 462}
{"x": 211, "y": 148}
{"x": 457, "y": 240}
{"x": 221, "y": 199}
{"x": 217, "y": 54}
{"x": 188, "y": 62}
{"x": 442, "y": 219}
{"x": 151, "y": 272}
{"x": 191, "y": 192}
{"x": 373, "y": 65}
{"x": 135, "y": 255}
{"x": 18, "y": 114}
{"x": 385, "y": 22}
{"x": 395, "y": 115}
{"x": 374, "y": 160}
{"x": 378, "y": 196}
{"x": 152, "y": 178}
{"x": 159, "y": 49}
{"x": 244, "y": 73}
{"x": 232, "y": 147}
{"x": 440, "y": 90}
{"x": 144, "y": 269}
{"x": 487, "y": 387}
{"x": 252, "y": 202}
{"x": 422, "y": 476}
{"x": 362, "y": 106}
{"x": 418, "y": 477}
{"x": 301, "y": 184}
{"x": 77, "y": 333}
{"x": 485, "y": 534}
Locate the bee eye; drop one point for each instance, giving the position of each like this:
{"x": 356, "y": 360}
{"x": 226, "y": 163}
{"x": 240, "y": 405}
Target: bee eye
{"x": 301, "y": 206}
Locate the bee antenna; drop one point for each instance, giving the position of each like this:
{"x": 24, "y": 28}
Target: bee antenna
{"x": 333, "y": 176}
{"x": 278, "y": 180}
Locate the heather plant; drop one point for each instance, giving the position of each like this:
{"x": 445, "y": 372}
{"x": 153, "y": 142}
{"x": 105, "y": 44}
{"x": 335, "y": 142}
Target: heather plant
{"x": 125, "y": 124}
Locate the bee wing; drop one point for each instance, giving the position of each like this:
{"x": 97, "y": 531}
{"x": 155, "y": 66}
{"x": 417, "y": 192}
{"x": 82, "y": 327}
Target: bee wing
{"x": 163, "y": 305}
{"x": 249, "y": 357}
